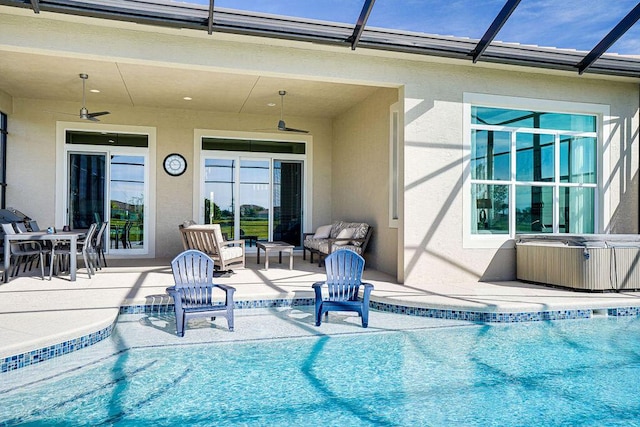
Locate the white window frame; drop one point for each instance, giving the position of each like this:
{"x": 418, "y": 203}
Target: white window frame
{"x": 602, "y": 197}
{"x": 395, "y": 148}
{"x": 149, "y": 153}
{"x": 307, "y": 169}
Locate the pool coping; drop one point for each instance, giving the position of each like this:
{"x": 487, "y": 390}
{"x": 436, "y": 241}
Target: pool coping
{"x": 29, "y": 358}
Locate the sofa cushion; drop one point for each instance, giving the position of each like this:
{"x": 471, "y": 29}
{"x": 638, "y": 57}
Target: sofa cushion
{"x": 345, "y": 233}
{"x": 313, "y": 243}
{"x": 336, "y": 228}
{"x": 323, "y": 232}
{"x": 230, "y": 252}
{"x": 323, "y": 247}
{"x": 360, "y": 232}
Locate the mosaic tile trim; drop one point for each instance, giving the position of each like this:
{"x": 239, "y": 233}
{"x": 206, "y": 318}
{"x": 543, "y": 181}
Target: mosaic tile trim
{"x": 12, "y": 363}
{"x": 479, "y": 316}
{"x": 18, "y": 361}
{"x": 623, "y": 311}
{"x": 262, "y": 303}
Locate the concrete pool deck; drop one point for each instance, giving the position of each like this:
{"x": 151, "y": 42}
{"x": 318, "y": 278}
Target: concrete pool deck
{"x": 36, "y": 313}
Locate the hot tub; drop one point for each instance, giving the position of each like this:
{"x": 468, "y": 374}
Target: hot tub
{"x": 587, "y": 262}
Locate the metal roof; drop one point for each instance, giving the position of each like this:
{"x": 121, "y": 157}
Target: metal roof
{"x": 214, "y": 19}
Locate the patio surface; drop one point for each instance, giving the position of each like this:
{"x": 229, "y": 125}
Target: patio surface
{"x": 36, "y": 313}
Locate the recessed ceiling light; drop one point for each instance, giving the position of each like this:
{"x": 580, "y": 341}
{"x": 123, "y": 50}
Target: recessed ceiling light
{"x": 94, "y": 90}
{"x": 187, "y": 98}
{"x": 271, "y": 104}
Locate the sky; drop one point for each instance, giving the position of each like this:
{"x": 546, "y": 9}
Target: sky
{"x": 568, "y": 24}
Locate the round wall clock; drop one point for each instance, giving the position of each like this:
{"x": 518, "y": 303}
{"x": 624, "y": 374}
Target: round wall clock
{"x": 175, "y": 164}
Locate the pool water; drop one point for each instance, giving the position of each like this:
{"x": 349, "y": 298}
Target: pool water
{"x": 563, "y": 373}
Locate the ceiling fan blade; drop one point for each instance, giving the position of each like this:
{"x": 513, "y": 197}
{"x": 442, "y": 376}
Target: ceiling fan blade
{"x": 61, "y": 112}
{"x": 282, "y": 127}
{"x": 295, "y": 130}
{"x": 99, "y": 113}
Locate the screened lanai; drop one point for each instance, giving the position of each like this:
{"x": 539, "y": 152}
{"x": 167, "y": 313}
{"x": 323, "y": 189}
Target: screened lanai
{"x": 384, "y": 93}
{"x": 510, "y": 32}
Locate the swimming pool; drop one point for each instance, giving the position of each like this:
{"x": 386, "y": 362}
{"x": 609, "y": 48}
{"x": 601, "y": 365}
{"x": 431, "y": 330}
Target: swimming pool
{"x": 572, "y": 372}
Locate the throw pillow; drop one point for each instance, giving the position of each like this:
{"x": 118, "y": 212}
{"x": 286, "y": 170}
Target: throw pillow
{"x": 322, "y": 232}
{"x": 346, "y": 233}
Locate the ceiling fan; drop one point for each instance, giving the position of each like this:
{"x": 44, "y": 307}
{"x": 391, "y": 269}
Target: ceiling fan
{"x": 84, "y": 113}
{"x": 281, "y": 124}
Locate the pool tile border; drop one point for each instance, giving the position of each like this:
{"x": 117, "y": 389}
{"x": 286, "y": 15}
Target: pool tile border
{"x": 33, "y": 357}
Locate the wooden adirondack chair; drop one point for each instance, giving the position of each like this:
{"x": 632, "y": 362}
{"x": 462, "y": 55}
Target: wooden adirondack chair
{"x": 344, "y": 273}
{"x": 193, "y": 292}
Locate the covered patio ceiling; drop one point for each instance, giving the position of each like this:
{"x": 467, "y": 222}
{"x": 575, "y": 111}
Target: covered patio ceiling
{"x": 50, "y": 78}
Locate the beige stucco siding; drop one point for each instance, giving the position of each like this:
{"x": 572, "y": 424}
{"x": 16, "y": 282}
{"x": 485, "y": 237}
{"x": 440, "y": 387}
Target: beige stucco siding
{"x": 6, "y": 102}
{"x": 360, "y": 170}
{"x": 434, "y": 163}
{"x": 349, "y": 149}
{"x": 32, "y": 152}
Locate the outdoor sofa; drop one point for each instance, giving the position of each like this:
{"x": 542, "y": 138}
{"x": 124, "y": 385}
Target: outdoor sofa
{"x": 339, "y": 235}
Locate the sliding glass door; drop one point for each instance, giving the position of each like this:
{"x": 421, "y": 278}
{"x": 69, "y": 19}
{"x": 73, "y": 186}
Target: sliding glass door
{"x": 87, "y": 189}
{"x": 126, "y": 201}
{"x": 109, "y": 184}
{"x": 287, "y": 201}
{"x": 257, "y": 198}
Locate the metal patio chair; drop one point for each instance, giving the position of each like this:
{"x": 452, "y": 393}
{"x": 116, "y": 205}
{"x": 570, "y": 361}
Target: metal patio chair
{"x": 344, "y": 279}
{"x": 98, "y": 245}
{"x": 86, "y": 250}
{"x": 193, "y": 292}
{"x": 23, "y": 252}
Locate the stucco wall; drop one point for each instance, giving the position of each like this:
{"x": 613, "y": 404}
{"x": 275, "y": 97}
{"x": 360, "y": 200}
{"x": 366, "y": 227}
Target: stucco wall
{"x": 32, "y": 157}
{"x": 6, "y": 102}
{"x": 434, "y": 163}
{"x": 432, "y": 223}
{"x": 360, "y": 172}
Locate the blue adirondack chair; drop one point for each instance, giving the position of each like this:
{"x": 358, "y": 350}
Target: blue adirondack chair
{"x": 344, "y": 274}
{"x": 193, "y": 293}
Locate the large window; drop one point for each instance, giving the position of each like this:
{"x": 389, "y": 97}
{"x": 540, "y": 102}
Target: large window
{"x": 532, "y": 172}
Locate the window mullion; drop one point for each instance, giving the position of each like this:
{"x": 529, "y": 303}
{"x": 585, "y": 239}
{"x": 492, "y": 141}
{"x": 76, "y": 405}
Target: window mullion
{"x": 556, "y": 187}
{"x": 512, "y": 188}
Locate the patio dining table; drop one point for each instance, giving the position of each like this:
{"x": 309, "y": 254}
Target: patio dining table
{"x": 64, "y": 236}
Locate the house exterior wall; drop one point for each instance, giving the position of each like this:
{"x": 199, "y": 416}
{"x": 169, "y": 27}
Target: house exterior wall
{"x": 434, "y": 164}
{"x": 431, "y": 227}
{"x": 360, "y": 165}
{"x": 31, "y": 174}
{"x": 6, "y": 102}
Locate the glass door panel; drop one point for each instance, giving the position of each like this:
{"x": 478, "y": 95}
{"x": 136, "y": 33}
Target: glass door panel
{"x": 219, "y": 192}
{"x": 87, "y": 187}
{"x": 127, "y": 189}
{"x": 287, "y": 202}
{"x": 254, "y": 200}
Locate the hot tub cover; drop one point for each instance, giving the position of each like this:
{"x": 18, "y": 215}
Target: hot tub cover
{"x": 582, "y": 240}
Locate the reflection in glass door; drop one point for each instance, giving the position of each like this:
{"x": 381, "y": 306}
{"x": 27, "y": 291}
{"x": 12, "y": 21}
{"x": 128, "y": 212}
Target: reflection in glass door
{"x": 126, "y": 187}
{"x": 254, "y": 198}
{"x": 219, "y": 194}
{"x": 287, "y": 202}
{"x": 86, "y": 189}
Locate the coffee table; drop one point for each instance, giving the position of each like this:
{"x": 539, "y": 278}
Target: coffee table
{"x": 275, "y": 246}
